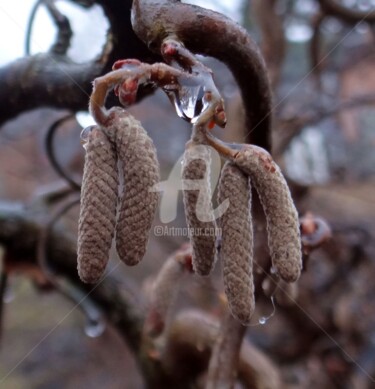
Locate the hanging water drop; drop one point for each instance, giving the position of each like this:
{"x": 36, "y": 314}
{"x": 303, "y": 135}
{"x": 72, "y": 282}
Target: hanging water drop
{"x": 175, "y": 100}
{"x": 262, "y": 320}
{"x": 85, "y": 133}
{"x": 187, "y": 100}
{"x": 191, "y": 101}
{"x": 95, "y": 328}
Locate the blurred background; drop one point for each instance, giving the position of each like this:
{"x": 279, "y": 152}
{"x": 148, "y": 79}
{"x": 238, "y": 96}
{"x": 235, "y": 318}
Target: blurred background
{"x": 323, "y": 76}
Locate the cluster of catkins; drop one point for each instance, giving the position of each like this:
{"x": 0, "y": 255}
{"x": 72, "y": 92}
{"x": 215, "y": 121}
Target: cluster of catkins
{"x": 119, "y": 198}
{"x": 120, "y": 171}
{"x": 249, "y": 166}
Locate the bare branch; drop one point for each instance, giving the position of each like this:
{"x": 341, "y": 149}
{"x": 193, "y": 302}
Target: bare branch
{"x": 351, "y": 16}
{"x": 200, "y": 30}
{"x": 50, "y": 80}
{"x": 189, "y": 344}
{"x": 273, "y": 40}
{"x": 289, "y": 127}
{"x": 222, "y": 371}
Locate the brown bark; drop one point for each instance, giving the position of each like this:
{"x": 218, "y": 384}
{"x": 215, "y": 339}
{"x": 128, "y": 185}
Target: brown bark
{"x": 53, "y": 80}
{"x": 210, "y": 33}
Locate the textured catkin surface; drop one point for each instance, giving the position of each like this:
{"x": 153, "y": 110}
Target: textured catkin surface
{"x": 198, "y": 207}
{"x": 237, "y": 242}
{"x": 282, "y": 219}
{"x": 138, "y": 203}
{"x": 97, "y": 218}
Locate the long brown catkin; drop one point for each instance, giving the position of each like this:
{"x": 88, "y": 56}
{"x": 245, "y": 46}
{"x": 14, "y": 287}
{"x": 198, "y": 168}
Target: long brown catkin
{"x": 198, "y": 207}
{"x": 97, "y": 218}
{"x": 140, "y": 168}
{"x": 284, "y": 237}
{"x": 237, "y": 242}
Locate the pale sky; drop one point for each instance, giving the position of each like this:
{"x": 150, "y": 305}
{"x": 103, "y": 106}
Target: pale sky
{"x": 89, "y": 27}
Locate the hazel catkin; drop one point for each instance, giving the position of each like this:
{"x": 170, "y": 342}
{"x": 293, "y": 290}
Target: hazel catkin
{"x": 97, "y": 218}
{"x": 282, "y": 218}
{"x": 236, "y": 248}
{"x": 198, "y": 208}
{"x": 140, "y": 172}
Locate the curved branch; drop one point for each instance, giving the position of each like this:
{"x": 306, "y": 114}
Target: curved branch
{"x": 49, "y": 140}
{"x": 273, "y": 43}
{"x": 210, "y": 33}
{"x": 50, "y": 80}
{"x": 315, "y": 46}
{"x": 16, "y": 222}
{"x": 351, "y": 16}
{"x": 223, "y": 366}
{"x": 290, "y": 127}
{"x": 192, "y": 337}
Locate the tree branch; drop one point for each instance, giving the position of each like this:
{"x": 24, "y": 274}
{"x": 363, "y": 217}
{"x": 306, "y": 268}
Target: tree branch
{"x": 273, "y": 40}
{"x": 351, "y": 16}
{"x": 222, "y": 371}
{"x": 210, "y": 33}
{"x": 53, "y": 80}
{"x": 192, "y": 337}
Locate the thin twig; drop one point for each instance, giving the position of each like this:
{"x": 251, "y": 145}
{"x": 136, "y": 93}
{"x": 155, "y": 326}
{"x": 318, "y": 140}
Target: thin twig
{"x": 49, "y": 144}
{"x": 223, "y": 367}
{"x": 3, "y": 289}
{"x": 346, "y": 14}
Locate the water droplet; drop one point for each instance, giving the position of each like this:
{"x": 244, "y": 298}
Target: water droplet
{"x": 187, "y": 100}
{"x": 95, "y": 328}
{"x": 263, "y": 320}
{"x": 174, "y": 98}
{"x": 85, "y": 134}
{"x": 191, "y": 101}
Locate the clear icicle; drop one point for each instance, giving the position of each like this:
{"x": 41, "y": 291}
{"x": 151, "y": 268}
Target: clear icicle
{"x": 95, "y": 327}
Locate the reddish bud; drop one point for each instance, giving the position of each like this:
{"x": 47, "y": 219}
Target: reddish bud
{"x": 169, "y": 49}
{"x": 122, "y": 63}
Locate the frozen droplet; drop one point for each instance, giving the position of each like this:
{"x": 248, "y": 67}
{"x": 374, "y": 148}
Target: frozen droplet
{"x": 263, "y": 320}
{"x": 95, "y": 328}
{"x": 187, "y": 100}
{"x": 191, "y": 101}
{"x": 85, "y": 134}
{"x": 174, "y": 98}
